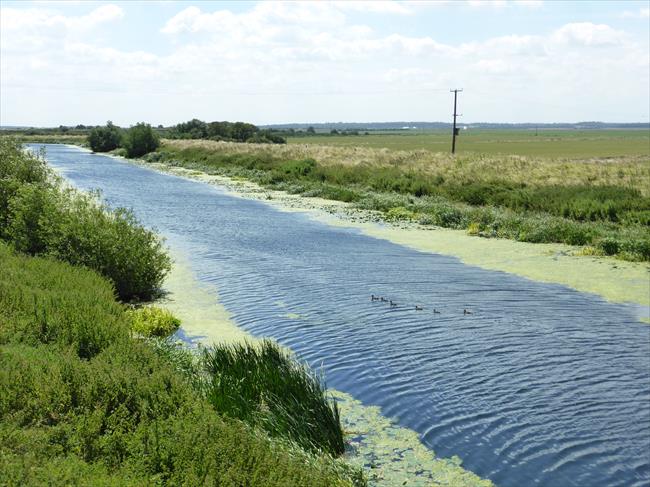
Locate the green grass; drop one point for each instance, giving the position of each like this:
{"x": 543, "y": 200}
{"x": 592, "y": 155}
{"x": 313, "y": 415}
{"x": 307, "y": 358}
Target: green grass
{"x": 84, "y": 403}
{"x": 548, "y": 142}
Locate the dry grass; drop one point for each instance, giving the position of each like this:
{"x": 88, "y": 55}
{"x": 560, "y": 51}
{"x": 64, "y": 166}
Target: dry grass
{"x": 630, "y": 171}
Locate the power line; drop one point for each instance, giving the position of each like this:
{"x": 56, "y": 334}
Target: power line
{"x": 454, "y": 132}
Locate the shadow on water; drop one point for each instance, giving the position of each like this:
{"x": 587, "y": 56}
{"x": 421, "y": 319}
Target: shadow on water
{"x": 540, "y": 385}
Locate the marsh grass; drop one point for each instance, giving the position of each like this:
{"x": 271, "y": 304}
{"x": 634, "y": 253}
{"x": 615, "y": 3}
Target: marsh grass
{"x": 630, "y": 171}
{"x": 266, "y": 387}
{"x": 602, "y": 203}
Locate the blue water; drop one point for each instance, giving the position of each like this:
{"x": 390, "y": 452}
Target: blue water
{"x": 540, "y": 386}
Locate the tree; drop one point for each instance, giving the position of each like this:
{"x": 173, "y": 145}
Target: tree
{"x": 140, "y": 140}
{"x": 311, "y": 130}
{"x": 104, "y": 139}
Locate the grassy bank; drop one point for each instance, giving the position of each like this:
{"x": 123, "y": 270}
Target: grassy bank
{"x": 601, "y": 204}
{"x": 85, "y": 403}
{"x": 26, "y": 138}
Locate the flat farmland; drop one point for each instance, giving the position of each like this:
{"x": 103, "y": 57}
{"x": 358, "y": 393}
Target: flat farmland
{"x": 550, "y": 143}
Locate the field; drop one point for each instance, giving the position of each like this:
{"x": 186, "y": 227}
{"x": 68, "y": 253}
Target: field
{"x": 547, "y": 142}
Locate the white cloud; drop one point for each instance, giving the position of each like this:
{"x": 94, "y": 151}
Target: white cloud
{"x": 383, "y": 7}
{"x": 588, "y": 34}
{"x": 14, "y": 19}
{"x": 487, "y": 3}
{"x": 309, "y": 61}
{"x": 642, "y": 13}
{"x": 529, "y": 3}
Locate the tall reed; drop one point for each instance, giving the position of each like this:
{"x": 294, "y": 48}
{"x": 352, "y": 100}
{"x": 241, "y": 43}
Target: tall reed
{"x": 263, "y": 385}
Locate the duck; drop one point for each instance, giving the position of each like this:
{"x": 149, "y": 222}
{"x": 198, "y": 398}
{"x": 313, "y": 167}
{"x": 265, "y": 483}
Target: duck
{"x": 392, "y": 304}
{"x": 374, "y": 298}
{"x": 383, "y": 299}
{"x": 436, "y": 311}
{"x": 465, "y": 312}
{"x": 418, "y": 308}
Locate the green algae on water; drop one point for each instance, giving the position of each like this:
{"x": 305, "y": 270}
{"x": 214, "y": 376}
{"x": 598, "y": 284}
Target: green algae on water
{"x": 198, "y": 307}
{"x": 393, "y": 455}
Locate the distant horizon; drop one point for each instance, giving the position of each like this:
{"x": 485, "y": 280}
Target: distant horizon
{"x": 413, "y": 124}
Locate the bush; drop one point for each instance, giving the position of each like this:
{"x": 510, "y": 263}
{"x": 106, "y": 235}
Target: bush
{"x": 151, "y": 321}
{"x": 140, "y": 140}
{"x": 104, "y": 139}
{"x": 45, "y": 218}
{"x": 609, "y": 245}
{"x": 45, "y": 301}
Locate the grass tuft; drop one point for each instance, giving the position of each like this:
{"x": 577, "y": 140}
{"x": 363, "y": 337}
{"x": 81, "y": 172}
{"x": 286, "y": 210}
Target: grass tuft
{"x": 264, "y": 386}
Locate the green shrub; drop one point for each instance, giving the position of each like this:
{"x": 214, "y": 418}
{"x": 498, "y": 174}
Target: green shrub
{"x": 609, "y": 245}
{"x": 266, "y": 387}
{"x": 151, "y": 321}
{"x": 45, "y": 301}
{"x": 43, "y": 217}
{"x": 104, "y": 139}
{"x": 140, "y": 140}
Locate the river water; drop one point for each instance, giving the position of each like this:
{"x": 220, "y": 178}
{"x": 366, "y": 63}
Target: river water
{"x": 540, "y": 386}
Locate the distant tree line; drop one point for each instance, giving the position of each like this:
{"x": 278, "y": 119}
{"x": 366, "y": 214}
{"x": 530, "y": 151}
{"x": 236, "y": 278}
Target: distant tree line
{"x": 228, "y": 131}
{"x": 310, "y": 131}
{"x": 136, "y": 141}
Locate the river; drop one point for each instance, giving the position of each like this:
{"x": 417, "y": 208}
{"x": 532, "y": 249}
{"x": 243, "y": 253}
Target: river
{"x": 540, "y": 385}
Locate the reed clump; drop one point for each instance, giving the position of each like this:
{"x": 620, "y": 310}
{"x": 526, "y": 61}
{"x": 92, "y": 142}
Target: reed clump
{"x": 266, "y": 387}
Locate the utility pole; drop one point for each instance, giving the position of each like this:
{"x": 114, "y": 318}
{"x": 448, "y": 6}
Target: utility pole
{"x": 455, "y": 130}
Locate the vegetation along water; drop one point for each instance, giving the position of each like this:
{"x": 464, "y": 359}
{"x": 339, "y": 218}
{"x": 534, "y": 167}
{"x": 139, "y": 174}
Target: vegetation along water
{"x": 600, "y": 204}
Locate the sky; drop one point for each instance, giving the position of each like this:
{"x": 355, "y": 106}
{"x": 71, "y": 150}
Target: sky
{"x": 164, "y": 62}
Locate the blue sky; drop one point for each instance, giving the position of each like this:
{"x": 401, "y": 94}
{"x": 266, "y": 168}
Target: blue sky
{"x": 277, "y": 62}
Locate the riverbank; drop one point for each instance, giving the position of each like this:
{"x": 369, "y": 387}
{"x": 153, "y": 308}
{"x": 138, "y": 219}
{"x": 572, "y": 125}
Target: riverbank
{"x": 613, "y": 279}
{"x": 600, "y": 205}
{"x": 389, "y": 454}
